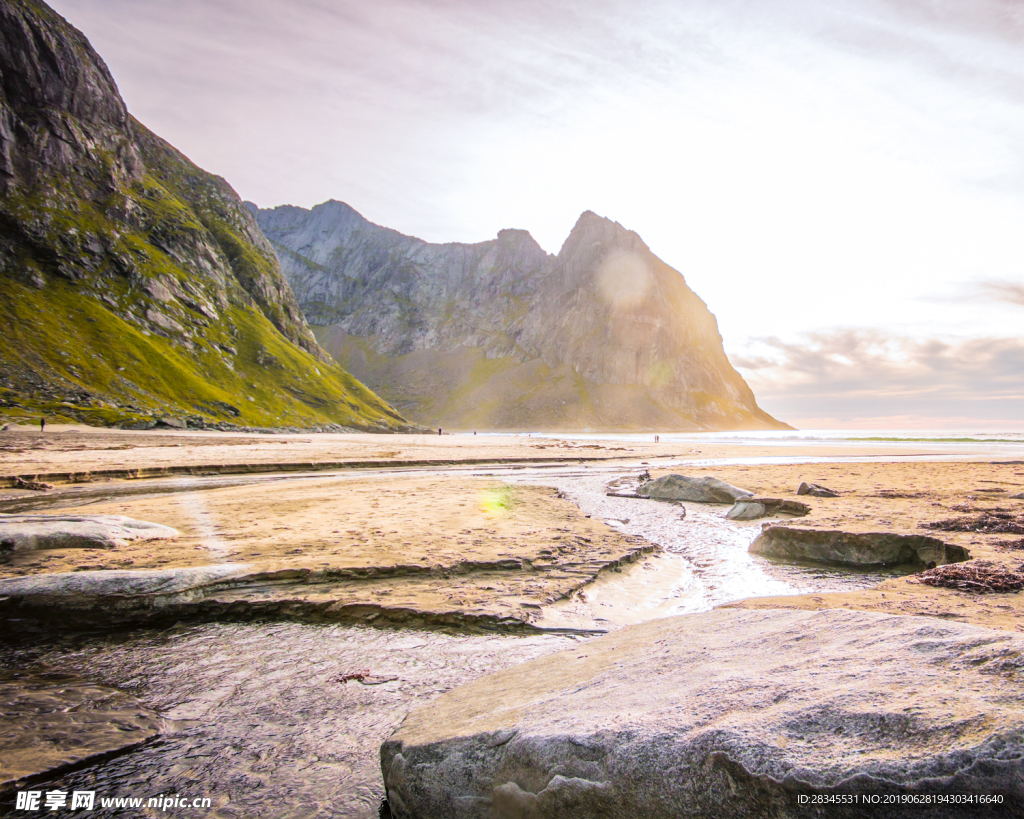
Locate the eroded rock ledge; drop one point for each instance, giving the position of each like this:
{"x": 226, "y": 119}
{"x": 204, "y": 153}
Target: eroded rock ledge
{"x": 28, "y": 532}
{"x": 726, "y": 714}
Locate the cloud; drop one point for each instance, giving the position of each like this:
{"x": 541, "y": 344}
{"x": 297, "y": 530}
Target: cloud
{"x": 1001, "y": 291}
{"x": 853, "y": 375}
{"x": 804, "y": 164}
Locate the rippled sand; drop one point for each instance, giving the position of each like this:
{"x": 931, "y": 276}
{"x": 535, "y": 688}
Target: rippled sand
{"x": 260, "y": 722}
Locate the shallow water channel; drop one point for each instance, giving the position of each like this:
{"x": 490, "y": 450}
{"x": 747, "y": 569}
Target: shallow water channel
{"x": 258, "y": 719}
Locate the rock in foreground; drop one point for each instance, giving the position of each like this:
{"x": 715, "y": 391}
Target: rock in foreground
{"x": 727, "y": 714}
{"x": 24, "y": 532}
{"x": 858, "y": 549}
{"x": 695, "y": 490}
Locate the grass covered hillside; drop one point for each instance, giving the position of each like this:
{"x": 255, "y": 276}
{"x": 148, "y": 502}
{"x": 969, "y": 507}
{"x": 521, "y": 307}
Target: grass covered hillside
{"x": 136, "y": 286}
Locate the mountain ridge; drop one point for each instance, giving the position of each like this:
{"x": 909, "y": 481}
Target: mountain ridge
{"x": 137, "y": 286}
{"x": 602, "y": 334}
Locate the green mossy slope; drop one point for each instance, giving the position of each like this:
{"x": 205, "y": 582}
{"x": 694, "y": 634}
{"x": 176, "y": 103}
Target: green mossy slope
{"x": 77, "y": 360}
{"x": 136, "y": 286}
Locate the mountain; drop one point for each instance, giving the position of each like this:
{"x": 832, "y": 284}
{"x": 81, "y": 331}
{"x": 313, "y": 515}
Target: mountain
{"x": 136, "y": 285}
{"x": 502, "y": 335}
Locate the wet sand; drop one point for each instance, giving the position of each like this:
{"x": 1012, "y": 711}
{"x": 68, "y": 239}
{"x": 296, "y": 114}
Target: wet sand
{"x": 257, "y": 716}
{"x": 402, "y": 545}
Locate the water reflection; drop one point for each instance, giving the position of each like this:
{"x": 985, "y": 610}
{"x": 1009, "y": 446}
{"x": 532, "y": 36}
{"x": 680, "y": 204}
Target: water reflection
{"x": 258, "y": 719}
{"x": 716, "y": 550}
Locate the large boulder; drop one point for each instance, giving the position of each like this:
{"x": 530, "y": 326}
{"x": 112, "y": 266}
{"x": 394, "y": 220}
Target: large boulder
{"x": 858, "y": 549}
{"x": 696, "y": 490}
{"x": 26, "y": 532}
{"x": 732, "y": 713}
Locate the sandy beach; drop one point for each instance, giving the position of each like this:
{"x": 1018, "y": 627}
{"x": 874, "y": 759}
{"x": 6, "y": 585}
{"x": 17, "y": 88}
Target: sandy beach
{"x": 389, "y": 537}
{"x": 442, "y": 544}
{"x": 65, "y": 450}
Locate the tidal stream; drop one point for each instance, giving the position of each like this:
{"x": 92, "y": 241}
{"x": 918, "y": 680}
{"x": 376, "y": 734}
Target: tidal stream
{"x": 258, "y": 719}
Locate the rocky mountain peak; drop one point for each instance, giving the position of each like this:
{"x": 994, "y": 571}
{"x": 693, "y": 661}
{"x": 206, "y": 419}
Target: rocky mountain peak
{"x": 510, "y": 236}
{"x": 50, "y": 74}
{"x": 502, "y": 335}
{"x": 593, "y": 237}
{"x": 340, "y": 213}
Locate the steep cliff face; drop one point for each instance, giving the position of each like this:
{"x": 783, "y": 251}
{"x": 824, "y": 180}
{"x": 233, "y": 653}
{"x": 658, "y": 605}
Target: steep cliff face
{"x": 137, "y": 285}
{"x": 501, "y": 335}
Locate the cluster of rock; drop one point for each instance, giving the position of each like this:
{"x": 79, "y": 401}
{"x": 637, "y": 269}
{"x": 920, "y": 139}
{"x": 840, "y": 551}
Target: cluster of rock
{"x": 753, "y": 508}
{"x": 199, "y": 422}
{"x": 816, "y": 490}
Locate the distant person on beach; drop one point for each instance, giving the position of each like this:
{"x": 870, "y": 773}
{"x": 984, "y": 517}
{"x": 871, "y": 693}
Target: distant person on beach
{"x": 439, "y": 430}
{"x": 42, "y": 424}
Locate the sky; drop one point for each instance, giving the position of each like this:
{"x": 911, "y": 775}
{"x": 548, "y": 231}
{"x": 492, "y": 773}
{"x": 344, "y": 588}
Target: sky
{"x": 841, "y": 182}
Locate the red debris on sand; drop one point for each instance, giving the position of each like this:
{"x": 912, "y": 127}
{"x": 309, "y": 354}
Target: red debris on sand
{"x": 359, "y": 676}
{"x": 986, "y": 523}
{"x": 364, "y": 677}
{"x": 977, "y": 577}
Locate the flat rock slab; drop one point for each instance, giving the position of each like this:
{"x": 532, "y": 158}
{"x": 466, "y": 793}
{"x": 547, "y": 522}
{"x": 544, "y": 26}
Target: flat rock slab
{"x": 695, "y": 490}
{"x": 732, "y": 714}
{"x": 72, "y": 590}
{"x": 26, "y": 532}
{"x": 754, "y": 508}
{"x": 856, "y": 549}
{"x": 52, "y": 721}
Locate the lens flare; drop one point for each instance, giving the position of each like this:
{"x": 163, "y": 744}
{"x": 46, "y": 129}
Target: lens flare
{"x": 496, "y": 502}
{"x": 624, "y": 280}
